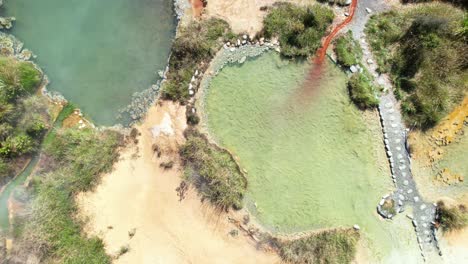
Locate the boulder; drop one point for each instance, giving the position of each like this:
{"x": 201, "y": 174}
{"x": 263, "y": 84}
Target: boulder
{"x": 353, "y": 69}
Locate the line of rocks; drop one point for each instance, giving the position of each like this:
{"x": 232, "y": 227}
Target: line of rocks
{"x": 396, "y": 146}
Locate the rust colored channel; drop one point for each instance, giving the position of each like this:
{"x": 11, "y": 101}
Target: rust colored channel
{"x": 323, "y": 50}
{"x": 315, "y": 77}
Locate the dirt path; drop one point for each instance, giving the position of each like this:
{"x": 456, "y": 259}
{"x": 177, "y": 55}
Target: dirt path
{"x": 139, "y": 195}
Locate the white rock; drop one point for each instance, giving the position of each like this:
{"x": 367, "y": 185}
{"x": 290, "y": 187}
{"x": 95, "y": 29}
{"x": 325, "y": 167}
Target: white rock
{"x": 356, "y": 227}
{"x": 416, "y": 199}
{"x": 410, "y": 191}
{"x": 353, "y": 69}
{"x": 368, "y": 10}
{"x": 370, "y": 61}
{"x": 422, "y": 207}
{"x": 191, "y": 92}
{"x": 232, "y": 49}
{"x": 346, "y": 14}
{"x": 244, "y": 36}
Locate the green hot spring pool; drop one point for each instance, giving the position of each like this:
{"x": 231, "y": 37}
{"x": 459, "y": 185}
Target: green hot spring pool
{"x": 311, "y": 163}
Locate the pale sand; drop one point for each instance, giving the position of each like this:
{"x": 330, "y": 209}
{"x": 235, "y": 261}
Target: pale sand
{"x": 455, "y": 247}
{"x": 244, "y": 16}
{"x": 139, "y": 195}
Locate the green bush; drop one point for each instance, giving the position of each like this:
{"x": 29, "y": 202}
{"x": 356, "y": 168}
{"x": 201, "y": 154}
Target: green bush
{"x": 213, "y": 171}
{"x": 335, "y": 246}
{"x": 451, "y": 218}
{"x": 361, "y": 91}
{"x": 299, "y": 29}
{"x": 76, "y": 160}
{"x": 29, "y": 76}
{"x": 196, "y": 43}
{"x": 424, "y": 51}
{"x": 348, "y": 51}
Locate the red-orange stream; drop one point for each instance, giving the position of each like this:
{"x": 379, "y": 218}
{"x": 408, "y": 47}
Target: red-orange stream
{"x": 313, "y": 80}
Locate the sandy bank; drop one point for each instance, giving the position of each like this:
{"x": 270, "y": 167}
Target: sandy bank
{"x": 243, "y": 15}
{"x": 140, "y": 195}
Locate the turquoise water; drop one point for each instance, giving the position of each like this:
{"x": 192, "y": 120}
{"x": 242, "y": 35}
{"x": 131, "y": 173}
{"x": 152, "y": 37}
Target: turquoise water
{"x": 96, "y": 53}
{"x": 6, "y": 193}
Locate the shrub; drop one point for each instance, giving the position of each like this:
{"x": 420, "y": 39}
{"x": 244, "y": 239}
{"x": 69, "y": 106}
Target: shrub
{"x": 29, "y": 76}
{"x": 167, "y": 165}
{"x": 424, "y": 50}
{"x": 335, "y": 246}
{"x": 348, "y": 52}
{"x": 361, "y": 91}
{"x": 76, "y": 160}
{"x": 196, "y": 43}
{"x": 213, "y": 171}
{"x": 299, "y": 29}
{"x": 451, "y": 218}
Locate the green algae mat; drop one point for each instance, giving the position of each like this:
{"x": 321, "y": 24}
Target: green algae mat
{"x": 311, "y": 160}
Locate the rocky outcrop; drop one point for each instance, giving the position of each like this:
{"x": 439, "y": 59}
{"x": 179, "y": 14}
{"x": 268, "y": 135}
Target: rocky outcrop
{"x": 6, "y": 22}
{"x": 180, "y": 6}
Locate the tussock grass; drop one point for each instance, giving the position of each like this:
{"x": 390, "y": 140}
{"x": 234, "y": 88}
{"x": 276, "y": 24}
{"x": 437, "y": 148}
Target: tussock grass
{"x": 425, "y": 51}
{"x": 23, "y": 116}
{"x": 299, "y": 29}
{"x": 195, "y": 44}
{"x": 52, "y": 231}
{"x": 213, "y": 171}
{"x": 334, "y": 246}
{"x": 451, "y": 218}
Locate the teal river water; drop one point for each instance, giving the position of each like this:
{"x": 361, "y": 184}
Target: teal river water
{"x": 96, "y": 53}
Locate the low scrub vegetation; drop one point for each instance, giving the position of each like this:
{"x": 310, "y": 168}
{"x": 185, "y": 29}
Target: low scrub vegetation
{"x": 347, "y": 49}
{"x": 23, "y": 116}
{"x": 335, "y": 246}
{"x": 299, "y": 29}
{"x": 425, "y": 51}
{"x": 213, "y": 171}
{"x": 195, "y": 44}
{"x": 451, "y": 218}
{"x": 52, "y": 232}
{"x": 362, "y": 91}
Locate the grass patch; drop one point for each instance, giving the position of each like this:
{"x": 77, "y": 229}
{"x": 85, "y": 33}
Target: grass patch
{"x": 23, "y": 116}
{"x": 335, "y": 246}
{"x": 424, "y": 51}
{"x": 362, "y": 91}
{"x": 213, "y": 171}
{"x": 451, "y": 218}
{"x": 195, "y": 44}
{"x": 299, "y": 29}
{"x": 77, "y": 158}
{"x": 347, "y": 49}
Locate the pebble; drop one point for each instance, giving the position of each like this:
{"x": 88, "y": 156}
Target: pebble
{"x": 416, "y": 199}
{"x": 356, "y": 227}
